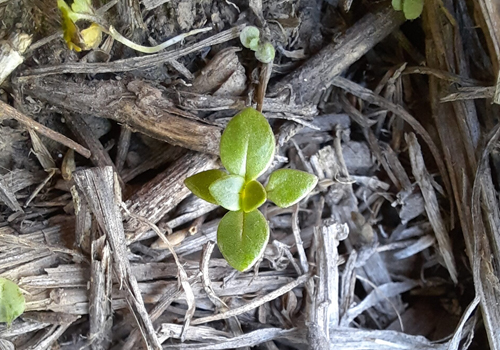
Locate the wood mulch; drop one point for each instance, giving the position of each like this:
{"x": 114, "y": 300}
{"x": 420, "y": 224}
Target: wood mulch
{"x": 398, "y": 247}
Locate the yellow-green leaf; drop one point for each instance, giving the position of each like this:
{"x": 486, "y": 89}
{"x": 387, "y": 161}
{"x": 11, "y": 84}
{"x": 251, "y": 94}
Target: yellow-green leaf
{"x": 12, "y": 303}
{"x": 287, "y": 186}
{"x": 265, "y": 53}
{"x": 396, "y": 5}
{"x": 82, "y": 6}
{"x": 249, "y": 36}
{"x": 242, "y": 238}
{"x": 254, "y": 44}
{"x": 71, "y": 34}
{"x": 247, "y": 144}
{"x": 199, "y": 183}
{"x": 92, "y": 36}
{"x": 226, "y": 191}
{"x": 413, "y": 8}
{"x": 252, "y": 196}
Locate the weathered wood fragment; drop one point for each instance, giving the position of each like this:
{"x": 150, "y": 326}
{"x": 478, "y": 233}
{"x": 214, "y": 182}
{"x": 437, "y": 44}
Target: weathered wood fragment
{"x": 98, "y": 188}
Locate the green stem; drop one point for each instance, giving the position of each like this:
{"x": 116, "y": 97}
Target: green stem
{"x": 118, "y": 37}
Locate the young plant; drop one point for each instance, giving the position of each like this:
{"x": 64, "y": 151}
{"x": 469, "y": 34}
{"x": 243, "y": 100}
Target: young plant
{"x": 12, "y": 302}
{"x": 246, "y": 151}
{"x": 412, "y": 9}
{"x": 90, "y": 38}
{"x": 250, "y": 38}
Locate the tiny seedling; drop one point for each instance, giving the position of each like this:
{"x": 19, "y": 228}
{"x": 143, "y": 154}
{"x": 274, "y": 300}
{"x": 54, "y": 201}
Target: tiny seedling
{"x": 412, "y": 9}
{"x": 250, "y": 38}
{"x": 90, "y": 37}
{"x": 12, "y": 302}
{"x": 246, "y": 151}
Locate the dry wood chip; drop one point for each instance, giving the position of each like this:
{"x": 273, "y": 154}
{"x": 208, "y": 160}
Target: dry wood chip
{"x": 98, "y": 187}
{"x": 11, "y": 53}
{"x": 100, "y": 311}
{"x": 162, "y": 194}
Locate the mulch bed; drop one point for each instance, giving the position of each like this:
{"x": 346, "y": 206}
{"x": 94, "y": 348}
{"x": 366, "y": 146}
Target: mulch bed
{"x": 397, "y": 247}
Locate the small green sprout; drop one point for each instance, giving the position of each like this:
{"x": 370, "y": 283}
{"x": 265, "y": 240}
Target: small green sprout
{"x": 91, "y": 37}
{"x": 246, "y": 151}
{"x": 411, "y": 8}
{"x": 250, "y": 38}
{"x": 12, "y": 302}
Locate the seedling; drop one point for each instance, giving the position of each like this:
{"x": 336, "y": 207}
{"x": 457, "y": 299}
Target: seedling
{"x": 246, "y": 151}
{"x": 12, "y": 302}
{"x": 250, "y": 38}
{"x": 90, "y": 38}
{"x": 411, "y": 8}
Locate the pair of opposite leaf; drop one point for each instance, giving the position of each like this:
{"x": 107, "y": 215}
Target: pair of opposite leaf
{"x": 246, "y": 151}
{"x": 250, "y": 38}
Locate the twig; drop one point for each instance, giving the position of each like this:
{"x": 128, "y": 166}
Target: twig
{"x": 129, "y": 64}
{"x": 7, "y": 111}
{"x": 122, "y": 147}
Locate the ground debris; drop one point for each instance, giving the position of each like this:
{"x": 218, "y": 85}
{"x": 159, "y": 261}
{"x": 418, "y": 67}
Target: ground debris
{"x": 396, "y": 247}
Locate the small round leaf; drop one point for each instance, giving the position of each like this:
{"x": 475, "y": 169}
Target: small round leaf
{"x": 288, "y": 186}
{"x": 12, "y": 302}
{"x": 254, "y": 44}
{"x": 226, "y": 191}
{"x": 199, "y": 183}
{"x": 82, "y": 6}
{"x": 396, "y": 5}
{"x": 248, "y": 35}
{"x": 265, "y": 53}
{"x": 252, "y": 196}
{"x": 242, "y": 238}
{"x": 247, "y": 144}
{"x": 413, "y": 8}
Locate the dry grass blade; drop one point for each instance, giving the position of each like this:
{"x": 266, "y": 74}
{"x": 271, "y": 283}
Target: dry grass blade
{"x": 183, "y": 278}
{"x": 431, "y": 205}
{"x": 254, "y": 303}
{"x": 368, "y": 96}
{"x": 486, "y": 282}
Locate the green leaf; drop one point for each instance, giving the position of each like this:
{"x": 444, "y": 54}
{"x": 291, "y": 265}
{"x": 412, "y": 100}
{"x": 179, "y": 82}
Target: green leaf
{"x": 287, "y": 186}
{"x": 247, "y": 144}
{"x": 252, "y": 196}
{"x": 199, "y": 183}
{"x": 265, "y": 53}
{"x": 396, "y": 5}
{"x": 242, "y": 238}
{"x": 226, "y": 191}
{"x": 413, "y": 8}
{"x": 248, "y": 36}
{"x": 254, "y": 44}
{"x": 82, "y": 6}
{"x": 12, "y": 303}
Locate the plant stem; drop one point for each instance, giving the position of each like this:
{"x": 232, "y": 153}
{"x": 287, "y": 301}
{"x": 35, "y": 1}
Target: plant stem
{"x": 118, "y": 37}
